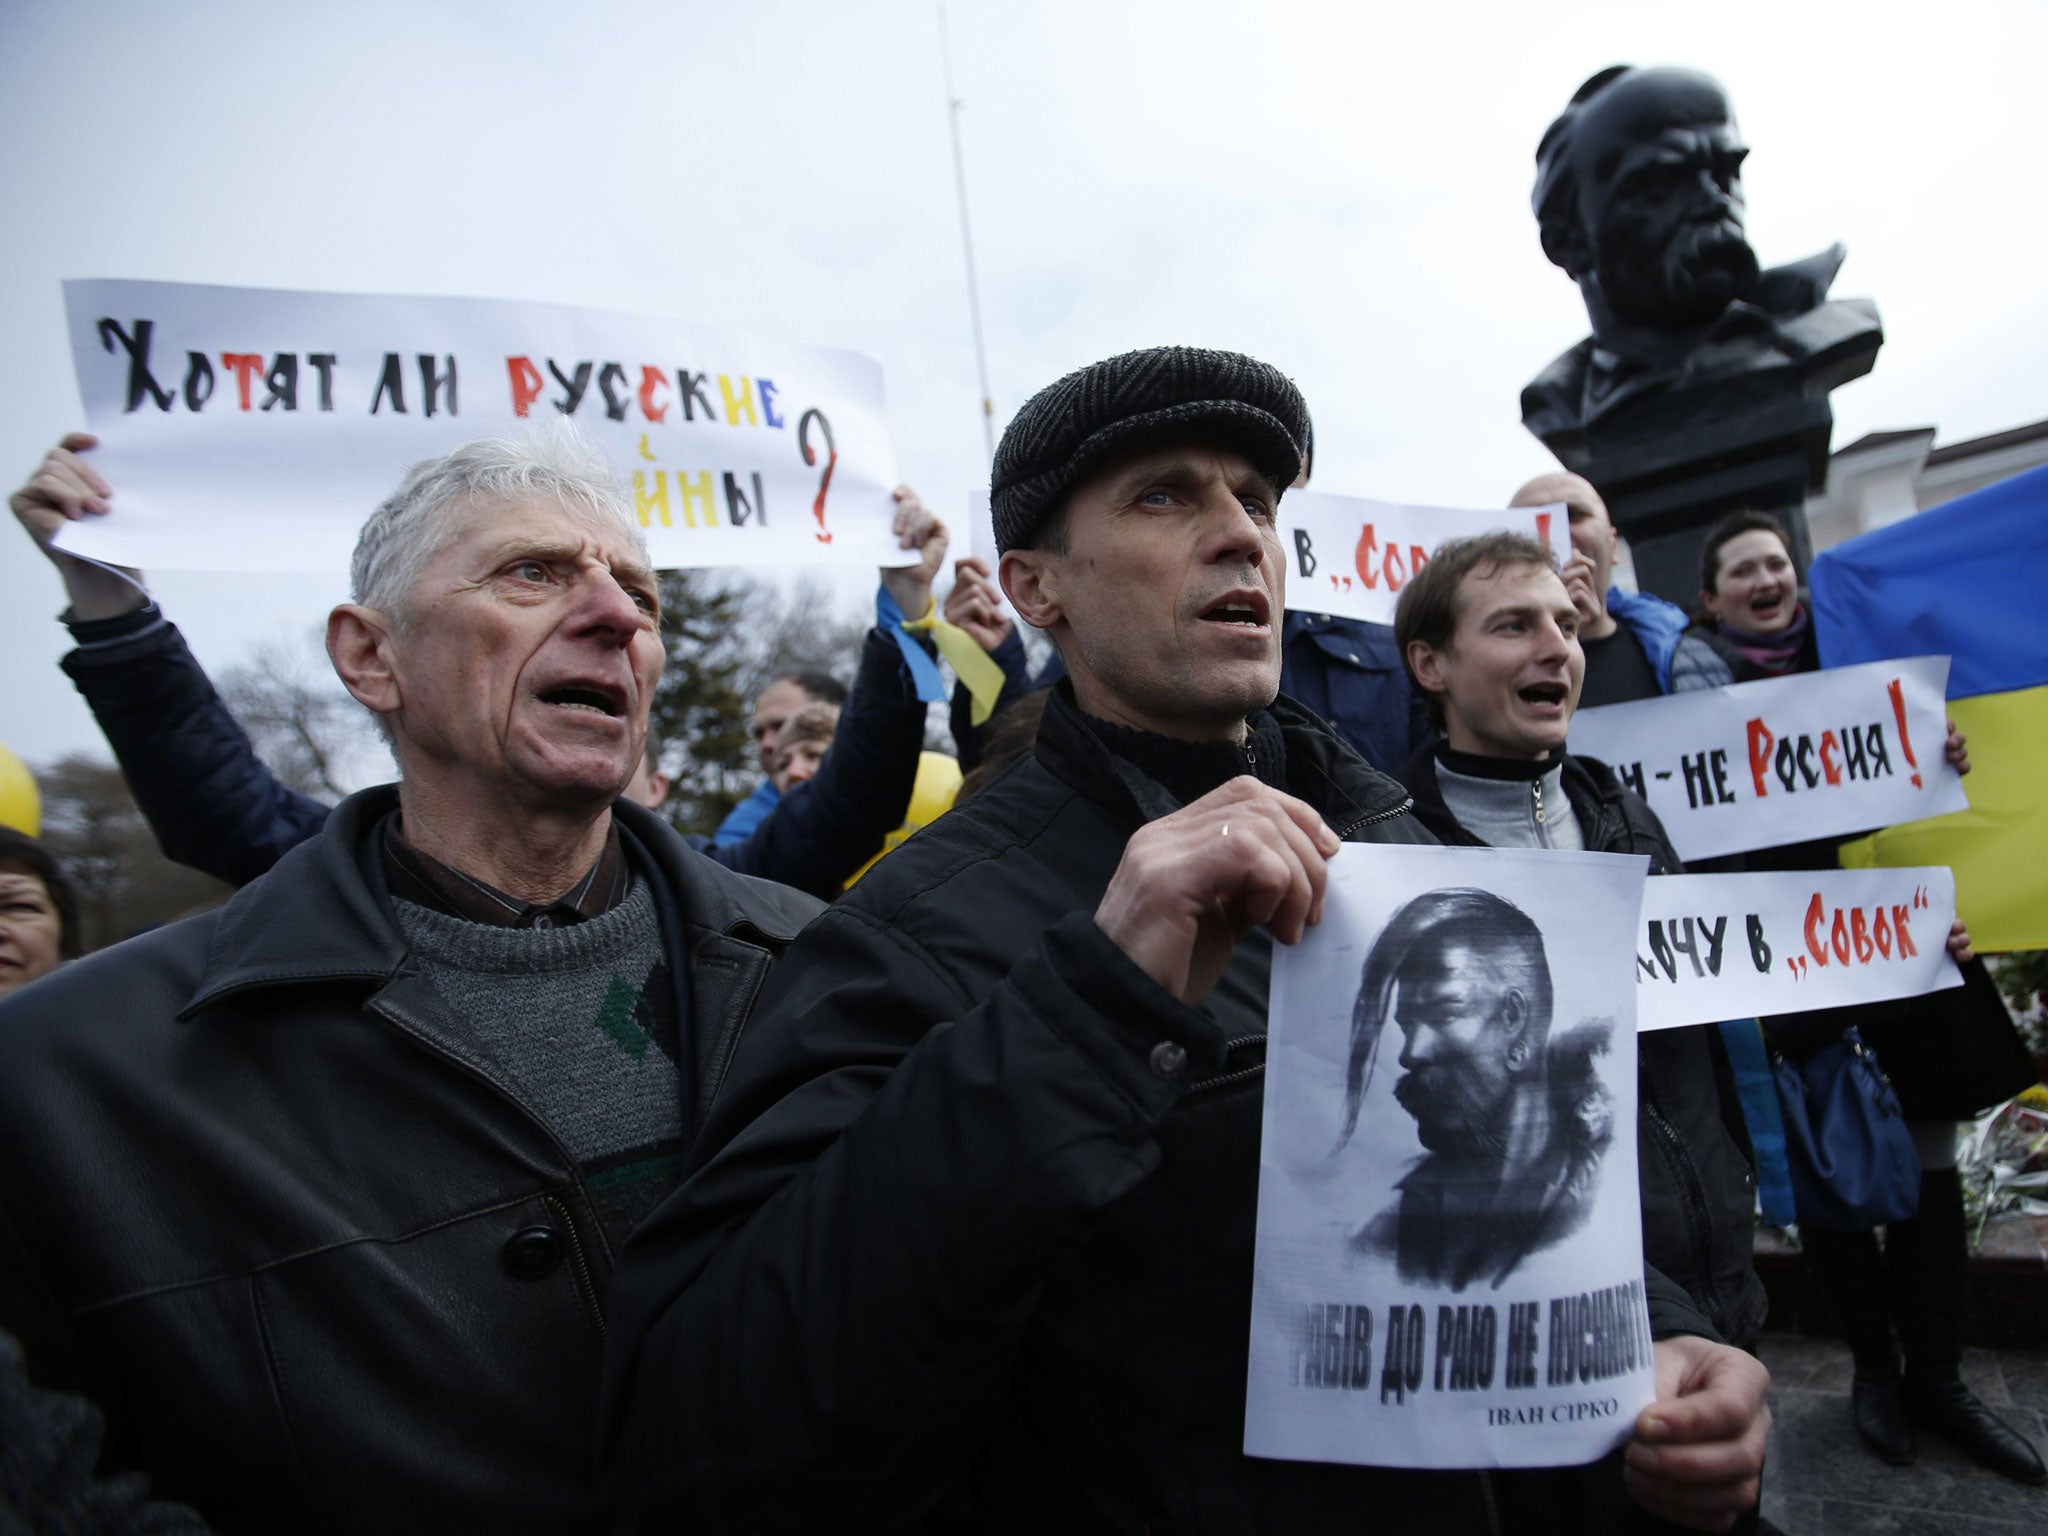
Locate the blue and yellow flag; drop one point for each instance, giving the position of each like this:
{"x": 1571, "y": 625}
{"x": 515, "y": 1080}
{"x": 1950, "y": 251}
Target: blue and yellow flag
{"x": 1967, "y": 579}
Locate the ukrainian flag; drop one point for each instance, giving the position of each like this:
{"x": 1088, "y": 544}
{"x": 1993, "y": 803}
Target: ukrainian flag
{"x": 1967, "y": 579}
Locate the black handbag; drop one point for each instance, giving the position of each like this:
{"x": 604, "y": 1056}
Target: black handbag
{"x": 1852, "y": 1159}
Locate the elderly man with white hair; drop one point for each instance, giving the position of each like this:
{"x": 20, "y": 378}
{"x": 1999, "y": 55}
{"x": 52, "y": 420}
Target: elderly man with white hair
{"x": 317, "y": 1195}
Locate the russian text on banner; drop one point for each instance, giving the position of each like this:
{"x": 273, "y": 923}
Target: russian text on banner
{"x": 255, "y": 429}
{"x": 1715, "y": 947}
{"x": 1784, "y": 760}
{"x": 1350, "y": 557}
{"x": 1449, "y": 1263}
{"x": 1964, "y": 578}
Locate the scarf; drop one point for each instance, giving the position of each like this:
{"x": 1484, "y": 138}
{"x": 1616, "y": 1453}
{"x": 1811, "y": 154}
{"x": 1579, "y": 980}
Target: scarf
{"x": 1775, "y": 654}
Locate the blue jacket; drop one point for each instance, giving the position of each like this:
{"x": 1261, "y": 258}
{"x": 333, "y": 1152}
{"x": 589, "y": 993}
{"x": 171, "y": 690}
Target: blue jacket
{"x": 745, "y": 818}
{"x": 1682, "y": 662}
{"x": 216, "y": 808}
{"x": 1350, "y": 673}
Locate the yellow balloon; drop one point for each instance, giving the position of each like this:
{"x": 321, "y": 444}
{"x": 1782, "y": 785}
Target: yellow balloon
{"x": 938, "y": 781}
{"x": 22, "y": 808}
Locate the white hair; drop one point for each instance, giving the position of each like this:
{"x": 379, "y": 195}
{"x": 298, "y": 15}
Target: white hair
{"x": 553, "y": 463}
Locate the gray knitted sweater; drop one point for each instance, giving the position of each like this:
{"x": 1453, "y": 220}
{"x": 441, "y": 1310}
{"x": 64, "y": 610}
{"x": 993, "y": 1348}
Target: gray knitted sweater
{"x": 582, "y": 1019}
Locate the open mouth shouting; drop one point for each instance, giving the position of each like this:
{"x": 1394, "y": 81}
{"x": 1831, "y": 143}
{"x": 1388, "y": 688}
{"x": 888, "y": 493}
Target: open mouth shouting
{"x": 1246, "y": 609}
{"x": 1547, "y": 698}
{"x": 1767, "y": 605}
{"x": 587, "y": 697}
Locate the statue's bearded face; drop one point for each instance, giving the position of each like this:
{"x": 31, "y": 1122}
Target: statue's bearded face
{"x": 1660, "y": 200}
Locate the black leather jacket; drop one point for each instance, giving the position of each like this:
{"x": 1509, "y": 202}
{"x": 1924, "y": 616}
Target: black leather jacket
{"x": 265, "y": 1201}
{"x": 1693, "y": 1153}
{"x": 974, "y": 1223}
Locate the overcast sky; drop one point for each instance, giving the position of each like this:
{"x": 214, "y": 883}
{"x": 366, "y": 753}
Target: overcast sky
{"x": 1339, "y": 189}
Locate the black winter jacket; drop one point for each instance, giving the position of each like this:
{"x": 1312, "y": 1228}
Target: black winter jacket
{"x": 266, "y": 1202}
{"x": 1693, "y": 1152}
{"x": 973, "y": 1226}
{"x": 215, "y": 807}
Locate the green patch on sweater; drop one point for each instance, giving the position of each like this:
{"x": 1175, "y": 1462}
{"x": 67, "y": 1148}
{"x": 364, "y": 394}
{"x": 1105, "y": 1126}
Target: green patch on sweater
{"x": 615, "y": 1016}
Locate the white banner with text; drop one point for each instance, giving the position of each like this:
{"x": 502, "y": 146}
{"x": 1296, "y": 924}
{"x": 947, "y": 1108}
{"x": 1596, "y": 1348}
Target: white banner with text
{"x": 1758, "y": 765}
{"x": 1350, "y": 557}
{"x": 254, "y": 429}
{"x": 1715, "y": 947}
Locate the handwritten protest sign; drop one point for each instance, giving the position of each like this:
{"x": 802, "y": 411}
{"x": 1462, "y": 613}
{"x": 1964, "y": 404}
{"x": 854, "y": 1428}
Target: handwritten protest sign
{"x": 1449, "y": 1267}
{"x": 255, "y": 429}
{"x": 1715, "y": 947}
{"x": 1758, "y": 765}
{"x": 1351, "y": 557}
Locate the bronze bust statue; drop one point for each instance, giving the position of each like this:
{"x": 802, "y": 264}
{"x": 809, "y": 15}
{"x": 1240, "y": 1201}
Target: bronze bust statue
{"x": 1639, "y": 198}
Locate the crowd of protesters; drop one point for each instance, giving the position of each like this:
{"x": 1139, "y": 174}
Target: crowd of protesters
{"x": 500, "y": 1158}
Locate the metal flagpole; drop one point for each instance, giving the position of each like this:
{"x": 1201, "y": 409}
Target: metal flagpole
{"x": 953, "y": 105}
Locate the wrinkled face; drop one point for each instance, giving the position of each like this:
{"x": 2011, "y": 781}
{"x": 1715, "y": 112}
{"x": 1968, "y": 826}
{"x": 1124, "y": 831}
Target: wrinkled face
{"x": 30, "y": 932}
{"x": 1167, "y": 604}
{"x": 1755, "y": 586}
{"x": 772, "y": 709}
{"x": 1510, "y": 677}
{"x": 1660, "y": 198}
{"x": 529, "y": 659}
{"x": 798, "y": 764}
{"x": 1458, "y": 1021}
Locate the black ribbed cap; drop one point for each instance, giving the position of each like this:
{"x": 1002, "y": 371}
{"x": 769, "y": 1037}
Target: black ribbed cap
{"x": 1068, "y": 429}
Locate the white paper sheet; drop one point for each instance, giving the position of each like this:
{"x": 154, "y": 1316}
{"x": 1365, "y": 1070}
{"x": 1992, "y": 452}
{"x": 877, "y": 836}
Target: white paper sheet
{"x": 1455, "y": 1280}
{"x": 1714, "y": 947}
{"x": 1351, "y": 557}
{"x": 1758, "y": 765}
{"x": 255, "y": 429}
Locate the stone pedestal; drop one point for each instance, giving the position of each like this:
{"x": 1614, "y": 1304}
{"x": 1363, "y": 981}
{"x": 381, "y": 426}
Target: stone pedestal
{"x": 1684, "y": 463}
{"x": 1674, "y": 459}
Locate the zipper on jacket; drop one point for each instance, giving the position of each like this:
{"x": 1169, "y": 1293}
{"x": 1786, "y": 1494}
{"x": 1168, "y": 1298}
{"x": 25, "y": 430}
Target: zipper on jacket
{"x": 1536, "y": 794}
{"x": 1224, "y": 1081}
{"x": 1344, "y": 832}
{"x": 586, "y": 1287}
{"x": 1492, "y": 1506}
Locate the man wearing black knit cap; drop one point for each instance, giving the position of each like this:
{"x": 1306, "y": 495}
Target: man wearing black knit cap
{"x": 970, "y": 1229}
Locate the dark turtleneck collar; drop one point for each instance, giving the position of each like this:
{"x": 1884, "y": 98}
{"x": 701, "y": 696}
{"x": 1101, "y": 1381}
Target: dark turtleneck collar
{"x": 1188, "y": 770}
{"x": 1512, "y": 769}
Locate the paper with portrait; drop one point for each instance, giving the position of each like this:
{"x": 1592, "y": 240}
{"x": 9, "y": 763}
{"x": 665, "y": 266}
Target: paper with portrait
{"x": 1449, "y": 1267}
